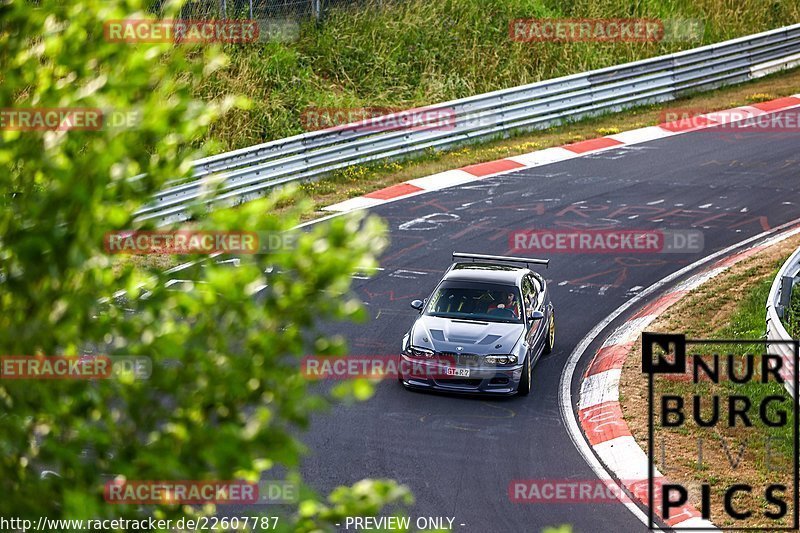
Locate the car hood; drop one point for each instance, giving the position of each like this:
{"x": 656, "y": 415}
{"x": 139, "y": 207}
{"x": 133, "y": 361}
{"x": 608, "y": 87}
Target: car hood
{"x": 480, "y": 338}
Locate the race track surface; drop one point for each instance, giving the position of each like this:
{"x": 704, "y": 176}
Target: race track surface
{"x": 459, "y": 454}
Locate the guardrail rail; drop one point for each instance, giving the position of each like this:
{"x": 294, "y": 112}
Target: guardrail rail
{"x": 778, "y": 301}
{"x": 249, "y": 173}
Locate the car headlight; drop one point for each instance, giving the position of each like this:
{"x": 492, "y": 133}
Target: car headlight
{"x": 420, "y": 353}
{"x": 500, "y": 359}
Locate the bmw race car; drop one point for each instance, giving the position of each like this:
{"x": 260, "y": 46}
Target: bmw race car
{"x": 482, "y": 330}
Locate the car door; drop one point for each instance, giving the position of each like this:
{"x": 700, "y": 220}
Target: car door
{"x": 534, "y": 334}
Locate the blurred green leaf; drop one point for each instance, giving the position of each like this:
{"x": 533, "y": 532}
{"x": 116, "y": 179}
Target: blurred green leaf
{"x": 225, "y": 399}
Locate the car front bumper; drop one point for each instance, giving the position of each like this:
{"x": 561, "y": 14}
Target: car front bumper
{"x": 421, "y": 374}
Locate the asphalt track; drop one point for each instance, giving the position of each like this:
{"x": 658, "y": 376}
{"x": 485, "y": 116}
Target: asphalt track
{"x": 459, "y": 454}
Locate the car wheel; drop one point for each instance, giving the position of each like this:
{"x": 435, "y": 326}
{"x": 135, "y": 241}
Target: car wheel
{"x": 551, "y": 334}
{"x": 525, "y": 382}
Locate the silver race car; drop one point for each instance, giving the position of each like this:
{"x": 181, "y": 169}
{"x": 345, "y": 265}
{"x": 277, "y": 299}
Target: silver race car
{"x": 482, "y": 329}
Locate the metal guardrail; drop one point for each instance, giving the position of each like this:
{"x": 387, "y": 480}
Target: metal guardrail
{"x": 249, "y": 173}
{"x": 778, "y": 302}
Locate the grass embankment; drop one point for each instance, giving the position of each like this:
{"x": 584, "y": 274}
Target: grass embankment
{"x": 732, "y": 305}
{"x": 414, "y": 53}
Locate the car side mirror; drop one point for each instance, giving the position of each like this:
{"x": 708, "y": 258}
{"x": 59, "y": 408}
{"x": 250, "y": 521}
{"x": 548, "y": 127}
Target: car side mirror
{"x": 417, "y": 304}
{"x": 536, "y": 315}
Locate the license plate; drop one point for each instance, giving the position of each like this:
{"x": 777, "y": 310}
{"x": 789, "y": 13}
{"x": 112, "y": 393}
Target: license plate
{"x": 457, "y": 372}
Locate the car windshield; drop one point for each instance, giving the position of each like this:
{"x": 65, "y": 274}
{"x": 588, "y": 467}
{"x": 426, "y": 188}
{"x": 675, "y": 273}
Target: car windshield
{"x": 476, "y": 301}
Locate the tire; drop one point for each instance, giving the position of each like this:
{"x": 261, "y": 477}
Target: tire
{"x": 524, "y": 387}
{"x": 551, "y": 334}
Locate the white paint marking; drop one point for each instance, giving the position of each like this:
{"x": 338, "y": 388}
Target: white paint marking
{"x": 407, "y": 274}
{"x": 629, "y": 332}
{"x": 428, "y": 222}
{"x": 600, "y": 388}
{"x": 544, "y": 157}
{"x": 443, "y": 180}
{"x": 641, "y": 135}
{"x": 624, "y": 457}
{"x": 354, "y": 204}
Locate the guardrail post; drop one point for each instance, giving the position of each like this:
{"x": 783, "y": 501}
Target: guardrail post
{"x": 785, "y": 295}
{"x": 316, "y": 8}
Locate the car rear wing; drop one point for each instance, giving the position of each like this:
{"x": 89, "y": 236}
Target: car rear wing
{"x": 503, "y": 259}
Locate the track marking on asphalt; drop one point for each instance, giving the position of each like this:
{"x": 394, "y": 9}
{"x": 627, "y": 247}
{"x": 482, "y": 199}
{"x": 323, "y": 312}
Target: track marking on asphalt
{"x": 448, "y": 425}
{"x": 429, "y": 222}
{"x": 407, "y": 274}
{"x": 565, "y": 385}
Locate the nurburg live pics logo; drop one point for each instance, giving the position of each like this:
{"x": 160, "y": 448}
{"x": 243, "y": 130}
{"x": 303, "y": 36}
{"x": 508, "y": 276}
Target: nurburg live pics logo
{"x": 714, "y": 410}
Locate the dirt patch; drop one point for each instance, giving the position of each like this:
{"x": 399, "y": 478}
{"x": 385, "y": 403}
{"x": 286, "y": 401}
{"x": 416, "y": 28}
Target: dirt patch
{"x": 716, "y": 310}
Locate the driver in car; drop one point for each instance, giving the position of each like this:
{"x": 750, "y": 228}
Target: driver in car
{"x": 506, "y": 301}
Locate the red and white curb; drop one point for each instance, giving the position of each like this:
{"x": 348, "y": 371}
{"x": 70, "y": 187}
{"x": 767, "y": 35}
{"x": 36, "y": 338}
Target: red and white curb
{"x": 599, "y": 410}
{"x": 480, "y": 171}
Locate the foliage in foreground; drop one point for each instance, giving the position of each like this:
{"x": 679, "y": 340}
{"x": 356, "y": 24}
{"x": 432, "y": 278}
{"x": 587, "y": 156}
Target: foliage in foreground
{"x": 225, "y": 399}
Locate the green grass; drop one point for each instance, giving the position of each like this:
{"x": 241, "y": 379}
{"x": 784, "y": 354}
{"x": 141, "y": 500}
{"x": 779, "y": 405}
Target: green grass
{"x": 416, "y": 52}
{"x": 747, "y": 322}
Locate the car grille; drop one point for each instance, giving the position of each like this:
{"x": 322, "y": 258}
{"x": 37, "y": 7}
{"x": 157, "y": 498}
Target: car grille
{"x": 459, "y": 359}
